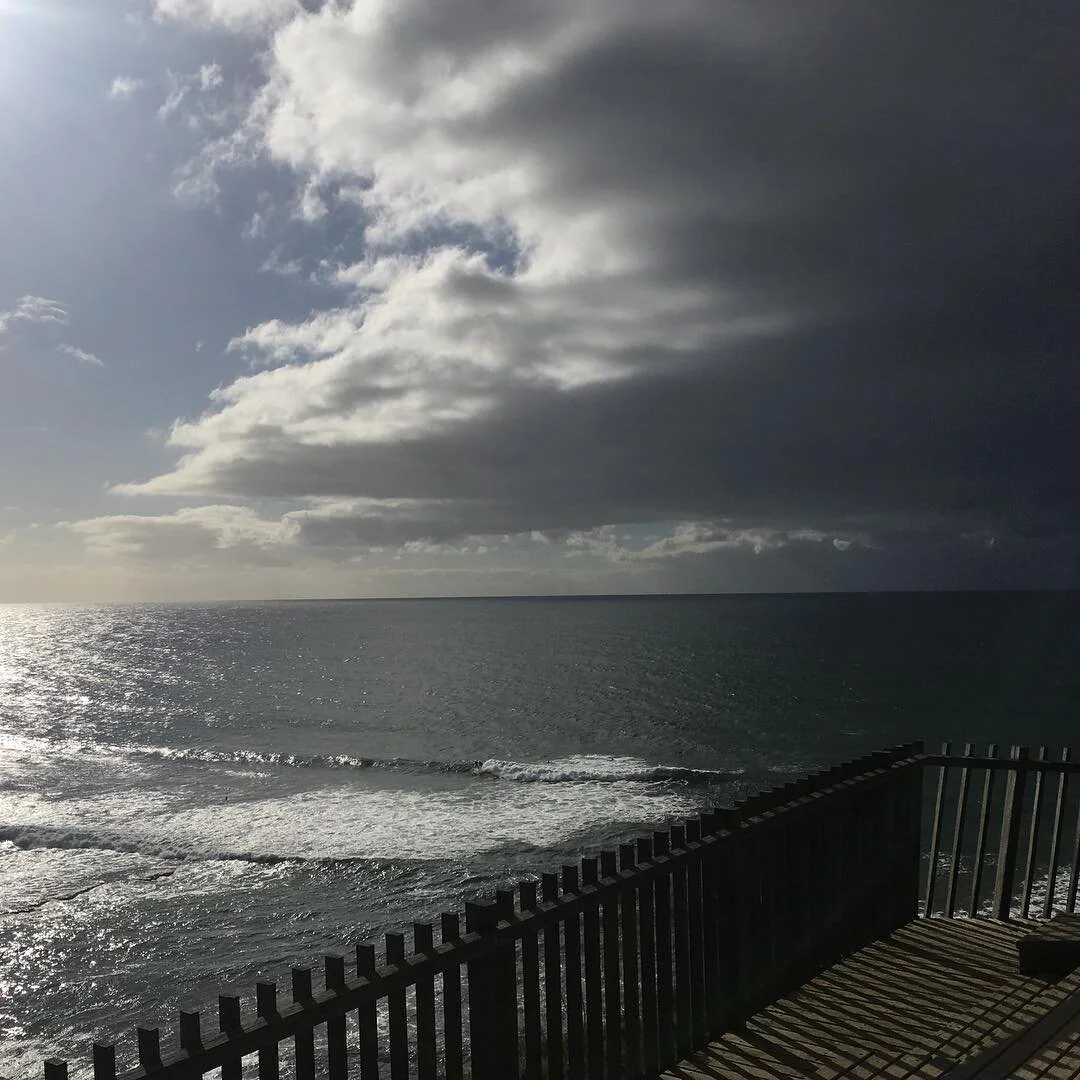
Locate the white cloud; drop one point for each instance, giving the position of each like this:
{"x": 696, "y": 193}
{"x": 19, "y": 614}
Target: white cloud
{"x": 702, "y": 538}
{"x": 198, "y": 534}
{"x": 34, "y": 309}
{"x": 325, "y": 533}
{"x": 196, "y": 180}
{"x": 436, "y": 342}
{"x": 310, "y": 206}
{"x": 81, "y": 355}
{"x": 194, "y": 89}
{"x": 234, "y": 15}
{"x": 125, "y": 86}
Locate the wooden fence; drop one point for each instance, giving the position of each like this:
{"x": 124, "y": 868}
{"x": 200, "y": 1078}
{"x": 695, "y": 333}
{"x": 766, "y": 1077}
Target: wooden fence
{"x": 1003, "y": 832}
{"x": 615, "y": 967}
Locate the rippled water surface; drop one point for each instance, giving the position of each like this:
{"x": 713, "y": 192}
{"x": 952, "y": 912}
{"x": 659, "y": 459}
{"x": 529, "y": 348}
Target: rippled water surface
{"x": 193, "y": 797}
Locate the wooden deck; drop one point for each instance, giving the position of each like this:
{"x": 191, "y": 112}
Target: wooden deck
{"x": 932, "y": 995}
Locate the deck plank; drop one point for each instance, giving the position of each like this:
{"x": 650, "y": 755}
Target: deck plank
{"x": 914, "y": 1005}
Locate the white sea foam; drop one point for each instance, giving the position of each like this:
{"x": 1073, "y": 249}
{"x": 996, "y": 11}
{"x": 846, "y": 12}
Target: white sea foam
{"x": 458, "y": 820}
{"x": 597, "y": 768}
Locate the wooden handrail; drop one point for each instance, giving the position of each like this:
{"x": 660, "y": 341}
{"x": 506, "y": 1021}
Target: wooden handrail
{"x": 1032, "y": 765}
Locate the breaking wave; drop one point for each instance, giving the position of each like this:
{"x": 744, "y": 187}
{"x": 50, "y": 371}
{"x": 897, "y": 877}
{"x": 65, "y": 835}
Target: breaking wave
{"x": 598, "y": 769}
{"x": 577, "y": 768}
{"x": 273, "y": 759}
{"x": 585, "y": 768}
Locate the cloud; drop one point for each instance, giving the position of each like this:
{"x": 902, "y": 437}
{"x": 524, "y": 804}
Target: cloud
{"x": 124, "y": 87}
{"x": 81, "y": 355}
{"x": 235, "y": 15}
{"x": 34, "y": 309}
{"x": 40, "y": 310}
{"x": 700, "y": 538}
{"x": 638, "y": 263}
{"x": 190, "y": 535}
{"x": 192, "y": 88}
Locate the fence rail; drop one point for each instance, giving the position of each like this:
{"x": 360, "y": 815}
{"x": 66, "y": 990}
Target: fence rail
{"x": 620, "y": 966}
{"x": 1004, "y": 837}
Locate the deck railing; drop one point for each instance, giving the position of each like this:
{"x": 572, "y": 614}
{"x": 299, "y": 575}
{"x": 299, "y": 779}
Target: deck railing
{"x": 1003, "y": 832}
{"x": 615, "y": 967}
{"x": 622, "y": 965}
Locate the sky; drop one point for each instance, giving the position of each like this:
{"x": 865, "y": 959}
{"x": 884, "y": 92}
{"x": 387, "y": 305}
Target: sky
{"x": 469, "y": 297}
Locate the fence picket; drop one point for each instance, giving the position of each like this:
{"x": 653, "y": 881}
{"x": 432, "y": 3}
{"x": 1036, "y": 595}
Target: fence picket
{"x": 149, "y": 1047}
{"x": 507, "y": 999}
{"x": 594, "y": 1004}
{"x": 628, "y": 939}
{"x": 1055, "y": 838}
{"x": 575, "y": 1022}
{"x": 553, "y": 996}
{"x": 665, "y": 970}
{"x": 397, "y": 1013}
{"x": 610, "y": 925}
{"x": 935, "y": 833}
{"x": 1011, "y": 814}
{"x": 337, "y": 1049}
{"x": 958, "y": 832}
{"x": 984, "y": 826}
{"x": 303, "y": 1041}
{"x": 710, "y": 929}
{"x": 266, "y": 1009}
{"x": 1033, "y": 835}
{"x": 453, "y": 1031}
{"x": 229, "y": 1021}
{"x": 1074, "y": 877}
{"x": 681, "y": 923}
{"x": 423, "y": 944}
{"x": 530, "y": 988}
{"x": 104, "y": 1061}
{"x": 367, "y": 1015}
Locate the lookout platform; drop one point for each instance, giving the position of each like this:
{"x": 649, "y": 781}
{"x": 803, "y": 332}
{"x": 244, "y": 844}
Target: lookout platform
{"x": 936, "y": 998}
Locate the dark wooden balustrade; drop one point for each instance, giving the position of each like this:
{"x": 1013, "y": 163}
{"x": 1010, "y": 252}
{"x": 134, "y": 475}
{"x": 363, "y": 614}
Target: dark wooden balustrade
{"x": 619, "y": 966}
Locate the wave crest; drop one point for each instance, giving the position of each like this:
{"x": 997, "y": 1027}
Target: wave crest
{"x": 590, "y": 768}
{"x": 583, "y": 768}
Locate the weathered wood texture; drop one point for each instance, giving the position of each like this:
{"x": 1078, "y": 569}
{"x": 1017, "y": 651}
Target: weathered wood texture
{"x": 933, "y": 997}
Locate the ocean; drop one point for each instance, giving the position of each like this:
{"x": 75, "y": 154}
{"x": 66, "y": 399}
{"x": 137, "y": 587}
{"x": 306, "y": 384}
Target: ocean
{"x": 194, "y": 797}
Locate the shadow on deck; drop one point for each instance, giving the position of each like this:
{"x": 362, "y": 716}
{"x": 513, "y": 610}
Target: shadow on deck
{"x": 938, "y": 997}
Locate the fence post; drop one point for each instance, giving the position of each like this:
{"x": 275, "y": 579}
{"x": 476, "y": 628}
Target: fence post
{"x": 492, "y": 995}
{"x": 1010, "y": 833}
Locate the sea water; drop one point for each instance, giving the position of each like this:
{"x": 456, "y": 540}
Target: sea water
{"x": 194, "y": 797}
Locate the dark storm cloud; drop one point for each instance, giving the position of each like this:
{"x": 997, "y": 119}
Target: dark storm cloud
{"x": 772, "y": 438}
{"x": 891, "y": 190}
